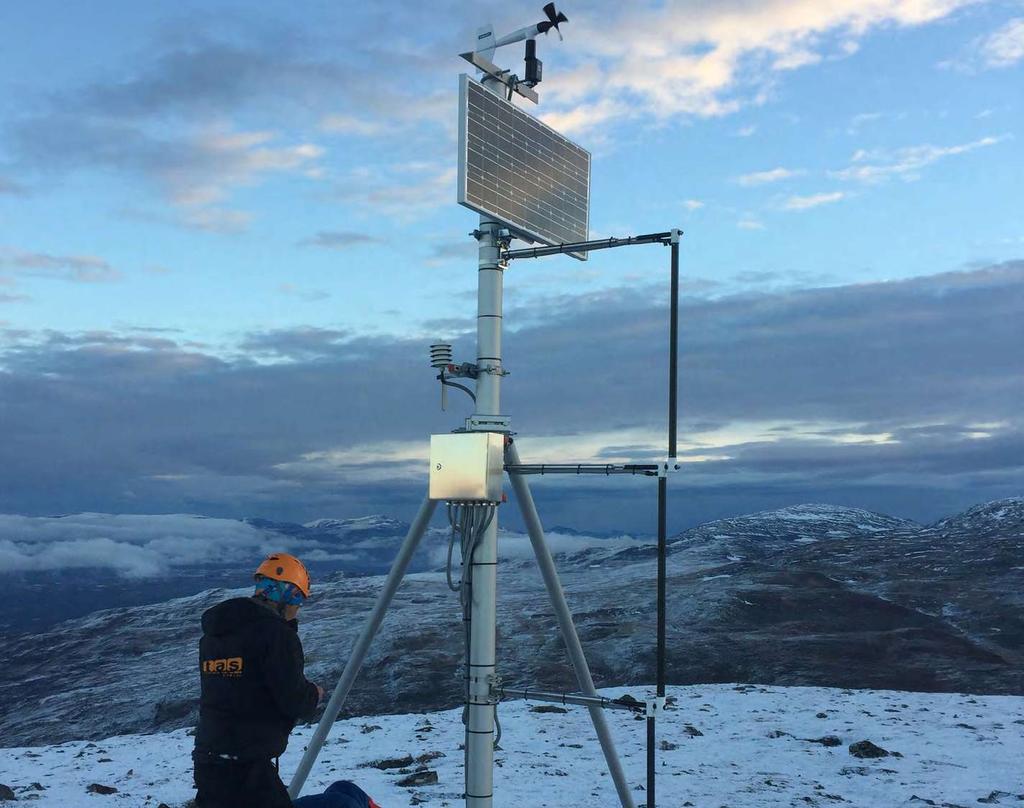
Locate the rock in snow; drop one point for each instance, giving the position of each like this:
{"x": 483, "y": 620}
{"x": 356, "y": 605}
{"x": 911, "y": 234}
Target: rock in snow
{"x": 553, "y": 759}
{"x": 866, "y": 749}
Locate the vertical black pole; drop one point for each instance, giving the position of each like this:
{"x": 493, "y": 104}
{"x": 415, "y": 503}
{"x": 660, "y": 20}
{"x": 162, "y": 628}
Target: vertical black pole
{"x": 673, "y": 377}
{"x": 673, "y": 353}
{"x": 673, "y": 412}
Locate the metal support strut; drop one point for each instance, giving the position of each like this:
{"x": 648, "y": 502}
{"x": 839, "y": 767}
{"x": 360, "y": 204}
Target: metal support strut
{"x": 605, "y": 469}
{"x": 572, "y": 641}
{"x": 673, "y": 407}
{"x": 362, "y": 645}
{"x": 569, "y": 698}
{"x": 670, "y": 238}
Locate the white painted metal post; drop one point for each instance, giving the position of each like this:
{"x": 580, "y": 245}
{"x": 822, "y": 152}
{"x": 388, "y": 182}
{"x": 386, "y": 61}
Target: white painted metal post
{"x": 565, "y": 624}
{"x": 481, "y": 663}
{"x": 362, "y": 645}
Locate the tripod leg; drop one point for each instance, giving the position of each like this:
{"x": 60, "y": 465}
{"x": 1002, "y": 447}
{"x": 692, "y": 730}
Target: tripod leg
{"x": 565, "y": 624}
{"x": 362, "y": 645}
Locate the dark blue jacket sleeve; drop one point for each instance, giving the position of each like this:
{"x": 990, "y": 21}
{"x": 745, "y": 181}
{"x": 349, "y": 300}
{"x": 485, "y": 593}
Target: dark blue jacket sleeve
{"x": 295, "y": 695}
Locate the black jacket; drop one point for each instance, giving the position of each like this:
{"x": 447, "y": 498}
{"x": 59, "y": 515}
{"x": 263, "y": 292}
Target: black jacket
{"x": 252, "y": 686}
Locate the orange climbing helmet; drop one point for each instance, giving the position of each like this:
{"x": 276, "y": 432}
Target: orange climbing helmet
{"x": 284, "y": 567}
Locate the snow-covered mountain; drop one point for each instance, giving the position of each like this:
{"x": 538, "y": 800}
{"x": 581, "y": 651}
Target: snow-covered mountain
{"x": 810, "y": 595}
{"x": 741, "y": 746}
{"x": 122, "y": 560}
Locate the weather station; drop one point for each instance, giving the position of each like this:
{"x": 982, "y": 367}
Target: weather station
{"x": 529, "y": 183}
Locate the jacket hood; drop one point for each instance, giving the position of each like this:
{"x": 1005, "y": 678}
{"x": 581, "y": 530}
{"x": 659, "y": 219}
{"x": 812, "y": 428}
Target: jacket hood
{"x": 229, "y": 616}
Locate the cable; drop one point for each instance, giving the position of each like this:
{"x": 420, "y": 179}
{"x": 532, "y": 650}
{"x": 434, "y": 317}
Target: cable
{"x": 452, "y": 517}
{"x": 470, "y": 521}
{"x": 461, "y": 387}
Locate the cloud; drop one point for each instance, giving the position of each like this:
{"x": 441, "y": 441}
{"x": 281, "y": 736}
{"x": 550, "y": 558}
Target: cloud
{"x": 750, "y": 223}
{"x": 444, "y": 252}
{"x": 1003, "y": 48}
{"x": 766, "y": 177}
{"x": 300, "y": 423}
{"x": 692, "y": 204}
{"x": 202, "y": 113}
{"x": 193, "y": 171}
{"x": 218, "y": 160}
{"x": 11, "y": 188}
{"x": 308, "y": 295}
{"x": 215, "y": 219}
{"x": 663, "y": 61}
{"x": 351, "y": 125}
{"x": 168, "y": 118}
{"x": 859, "y": 121}
{"x": 514, "y": 546}
{"x": 338, "y": 239}
{"x": 587, "y": 116}
{"x": 813, "y": 200}
{"x": 73, "y": 268}
{"x": 404, "y": 190}
{"x": 879, "y": 165}
{"x": 206, "y": 218}
{"x": 140, "y": 546}
{"x": 135, "y": 546}
{"x": 296, "y": 343}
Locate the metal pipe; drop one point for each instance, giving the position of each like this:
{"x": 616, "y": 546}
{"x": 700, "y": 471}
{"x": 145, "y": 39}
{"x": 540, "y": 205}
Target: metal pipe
{"x": 490, "y": 277}
{"x": 565, "y": 624}
{"x": 673, "y": 352}
{"x": 652, "y": 763}
{"x": 673, "y": 405}
{"x": 479, "y": 740}
{"x": 652, "y": 734}
{"x": 607, "y": 469}
{"x": 568, "y": 698}
{"x": 662, "y": 547}
{"x": 586, "y": 246}
{"x": 362, "y": 645}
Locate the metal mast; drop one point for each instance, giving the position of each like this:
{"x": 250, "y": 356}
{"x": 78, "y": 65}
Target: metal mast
{"x": 483, "y": 609}
{"x": 467, "y": 465}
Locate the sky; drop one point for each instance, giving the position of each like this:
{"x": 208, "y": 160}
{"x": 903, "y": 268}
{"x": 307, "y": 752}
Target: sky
{"x": 228, "y": 234}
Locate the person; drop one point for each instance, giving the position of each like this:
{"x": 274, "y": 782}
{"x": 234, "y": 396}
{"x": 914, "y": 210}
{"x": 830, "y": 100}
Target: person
{"x": 253, "y": 691}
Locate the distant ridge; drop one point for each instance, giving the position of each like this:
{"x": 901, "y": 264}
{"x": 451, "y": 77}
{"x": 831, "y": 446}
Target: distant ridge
{"x": 805, "y": 595}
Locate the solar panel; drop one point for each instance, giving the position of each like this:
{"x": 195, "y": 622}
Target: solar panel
{"x": 521, "y": 171}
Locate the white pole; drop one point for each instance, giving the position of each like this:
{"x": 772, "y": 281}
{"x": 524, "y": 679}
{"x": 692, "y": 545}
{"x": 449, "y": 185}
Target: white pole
{"x": 362, "y": 646}
{"x": 480, "y": 712}
{"x": 480, "y": 707}
{"x": 565, "y": 624}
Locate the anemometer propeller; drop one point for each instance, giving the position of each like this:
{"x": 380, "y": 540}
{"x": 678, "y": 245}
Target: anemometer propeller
{"x": 554, "y": 18}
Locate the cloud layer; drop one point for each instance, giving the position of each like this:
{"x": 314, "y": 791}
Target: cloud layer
{"x": 713, "y": 59}
{"x": 131, "y": 546}
{"x": 876, "y": 391}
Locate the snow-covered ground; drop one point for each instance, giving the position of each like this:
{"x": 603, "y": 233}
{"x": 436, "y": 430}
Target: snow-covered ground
{"x": 738, "y": 746}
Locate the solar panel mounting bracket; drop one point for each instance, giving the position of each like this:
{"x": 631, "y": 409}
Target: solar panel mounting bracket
{"x": 506, "y": 77}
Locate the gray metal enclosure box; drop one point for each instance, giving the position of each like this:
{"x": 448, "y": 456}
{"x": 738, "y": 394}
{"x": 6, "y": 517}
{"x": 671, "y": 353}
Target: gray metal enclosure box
{"x": 467, "y": 466}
